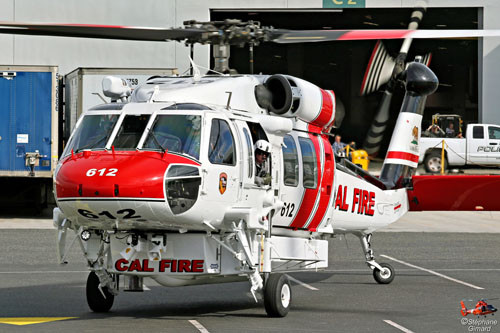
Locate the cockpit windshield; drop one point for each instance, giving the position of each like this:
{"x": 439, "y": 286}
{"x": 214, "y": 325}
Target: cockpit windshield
{"x": 130, "y": 132}
{"x": 93, "y": 132}
{"x": 176, "y": 133}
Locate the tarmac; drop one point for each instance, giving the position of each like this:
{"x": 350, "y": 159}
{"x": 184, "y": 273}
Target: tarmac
{"x": 468, "y": 222}
{"x": 434, "y": 272}
{"x": 440, "y": 259}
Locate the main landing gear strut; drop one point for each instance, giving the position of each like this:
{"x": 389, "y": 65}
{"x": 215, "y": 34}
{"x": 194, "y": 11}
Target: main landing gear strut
{"x": 382, "y": 273}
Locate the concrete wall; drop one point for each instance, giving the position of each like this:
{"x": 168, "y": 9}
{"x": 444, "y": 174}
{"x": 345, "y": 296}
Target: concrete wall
{"x": 69, "y": 53}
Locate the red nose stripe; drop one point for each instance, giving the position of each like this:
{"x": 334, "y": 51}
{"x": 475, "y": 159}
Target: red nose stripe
{"x": 123, "y": 174}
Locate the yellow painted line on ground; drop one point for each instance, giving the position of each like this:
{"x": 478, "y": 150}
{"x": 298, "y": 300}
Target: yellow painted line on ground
{"x": 31, "y": 320}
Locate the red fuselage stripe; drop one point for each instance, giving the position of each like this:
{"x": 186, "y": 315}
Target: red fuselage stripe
{"x": 309, "y": 199}
{"x": 326, "y": 186}
{"x": 325, "y": 114}
{"x": 403, "y": 156}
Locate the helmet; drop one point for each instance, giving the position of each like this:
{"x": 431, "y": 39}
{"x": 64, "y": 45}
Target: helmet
{"x": 263, "y": 145}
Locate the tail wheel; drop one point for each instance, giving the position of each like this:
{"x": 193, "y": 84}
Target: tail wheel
{"x": 277, "y": 295}
{"x": 384, "y": 276}
{"x": 432, "y": 162}
{"x": 95, "y": 299}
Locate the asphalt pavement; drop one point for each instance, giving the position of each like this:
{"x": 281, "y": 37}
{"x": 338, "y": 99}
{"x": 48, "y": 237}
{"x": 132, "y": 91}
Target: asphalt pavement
{"x": 434, "y": 272}
{"x": 440, "y": 258}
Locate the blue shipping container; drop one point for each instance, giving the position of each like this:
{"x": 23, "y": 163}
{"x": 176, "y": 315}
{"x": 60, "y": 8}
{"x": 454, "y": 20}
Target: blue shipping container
{"x": 28, "y": 119}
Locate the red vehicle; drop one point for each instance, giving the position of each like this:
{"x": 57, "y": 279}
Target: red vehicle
{"x": 482, "y": 309}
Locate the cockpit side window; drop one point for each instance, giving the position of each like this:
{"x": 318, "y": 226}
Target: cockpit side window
{"x": 250, "y": 153}
{"x": 221, "y": 148}
{"x": 93, "y": 132}
{"x": 130, "y": 131}
{"x": 290, "y": 162}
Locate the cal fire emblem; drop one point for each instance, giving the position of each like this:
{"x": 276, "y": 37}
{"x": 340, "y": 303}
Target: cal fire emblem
{"x": 222, "y": 182}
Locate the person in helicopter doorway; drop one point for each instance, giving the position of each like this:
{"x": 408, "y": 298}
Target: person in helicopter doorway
{"x": 262, "y": 151}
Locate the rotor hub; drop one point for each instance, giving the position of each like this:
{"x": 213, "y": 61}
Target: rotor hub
{"x": 228, "y": 32}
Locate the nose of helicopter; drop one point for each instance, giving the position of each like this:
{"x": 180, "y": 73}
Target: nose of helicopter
{"x": 104, "y": 174}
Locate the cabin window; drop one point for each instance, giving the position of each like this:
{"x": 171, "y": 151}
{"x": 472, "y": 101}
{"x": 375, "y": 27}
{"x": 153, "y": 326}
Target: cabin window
{"x": 130, "y": 132}
{"x": 494, "y": 132}
{"x": 221, "y": 148}
{"x": 250, "y": 156}
{"x": 290, "y": 162}
{"x": 176, "y": 134}
{"x": 93, "y": 132}
{"x": 478, "y": 132}
{"x": 310, "y": 170}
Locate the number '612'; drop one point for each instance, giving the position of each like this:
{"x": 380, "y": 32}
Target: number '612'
{"x": 101, "y": 172}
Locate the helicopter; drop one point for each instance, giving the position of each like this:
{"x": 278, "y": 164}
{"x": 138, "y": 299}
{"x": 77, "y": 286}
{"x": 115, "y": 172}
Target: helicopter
{"x": 481, "y": 309}
{"x": 162, "y": 182}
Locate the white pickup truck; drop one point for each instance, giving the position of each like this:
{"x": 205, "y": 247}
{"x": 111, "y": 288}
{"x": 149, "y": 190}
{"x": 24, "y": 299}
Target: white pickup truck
{"x": 481, "y": 146}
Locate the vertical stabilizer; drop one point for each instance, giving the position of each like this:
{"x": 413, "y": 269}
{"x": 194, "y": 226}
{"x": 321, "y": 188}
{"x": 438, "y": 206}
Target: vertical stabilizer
{"x": 403, "y": 153}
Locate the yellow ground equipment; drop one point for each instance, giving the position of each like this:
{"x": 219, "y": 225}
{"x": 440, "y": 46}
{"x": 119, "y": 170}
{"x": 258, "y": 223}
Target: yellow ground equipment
{"x": 359, "y": 157}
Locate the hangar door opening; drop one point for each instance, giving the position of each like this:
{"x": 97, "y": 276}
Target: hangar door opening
{"x": 341, "y": 65}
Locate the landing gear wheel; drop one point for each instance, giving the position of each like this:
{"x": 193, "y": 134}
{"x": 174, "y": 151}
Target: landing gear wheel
{"x": 386, "y": 275}
{"x": 277, "y": 295}
{"x": 95, "y": 299}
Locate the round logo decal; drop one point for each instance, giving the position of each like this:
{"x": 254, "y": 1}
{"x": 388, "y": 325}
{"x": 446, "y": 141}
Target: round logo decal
{"x": 222, "y": 182}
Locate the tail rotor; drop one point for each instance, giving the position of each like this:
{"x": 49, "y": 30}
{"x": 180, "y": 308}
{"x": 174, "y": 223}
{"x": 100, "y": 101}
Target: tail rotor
{"x": 383, "y": 69}
{"x": 402, "y": 156}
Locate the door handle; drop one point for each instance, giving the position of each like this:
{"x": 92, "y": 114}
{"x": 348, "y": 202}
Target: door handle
{"x": 493, "y": 143}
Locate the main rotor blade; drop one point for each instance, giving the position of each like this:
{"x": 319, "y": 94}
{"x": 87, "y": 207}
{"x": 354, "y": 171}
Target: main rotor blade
{"x": 307, "y": 36}
{"x": 99, "y": 31}
{"x": 210, "y": 34}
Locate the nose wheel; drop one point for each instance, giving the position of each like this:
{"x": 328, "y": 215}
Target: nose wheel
{"x": 382, "y": 273}
{"x": 99, "y": 298}
{"x": 277, "y": 295}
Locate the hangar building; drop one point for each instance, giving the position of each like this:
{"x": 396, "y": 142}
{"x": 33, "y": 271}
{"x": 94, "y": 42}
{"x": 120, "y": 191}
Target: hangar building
{"x": 468, "y": 69}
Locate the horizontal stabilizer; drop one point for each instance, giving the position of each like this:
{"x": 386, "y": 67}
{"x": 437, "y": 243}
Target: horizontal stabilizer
{"x": 455, "y": 192}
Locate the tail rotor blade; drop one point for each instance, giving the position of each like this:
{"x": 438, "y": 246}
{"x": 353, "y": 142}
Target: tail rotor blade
{"x": 376, "y": 133}
{"x": 379, "y": 70}
{"x": 386, "y": 72}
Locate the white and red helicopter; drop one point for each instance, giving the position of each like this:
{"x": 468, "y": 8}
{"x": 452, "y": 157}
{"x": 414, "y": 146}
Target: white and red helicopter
{"x": 162, "y": 183}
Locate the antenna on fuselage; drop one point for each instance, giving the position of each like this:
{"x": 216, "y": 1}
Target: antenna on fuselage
{"x": 195, "y": 70}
